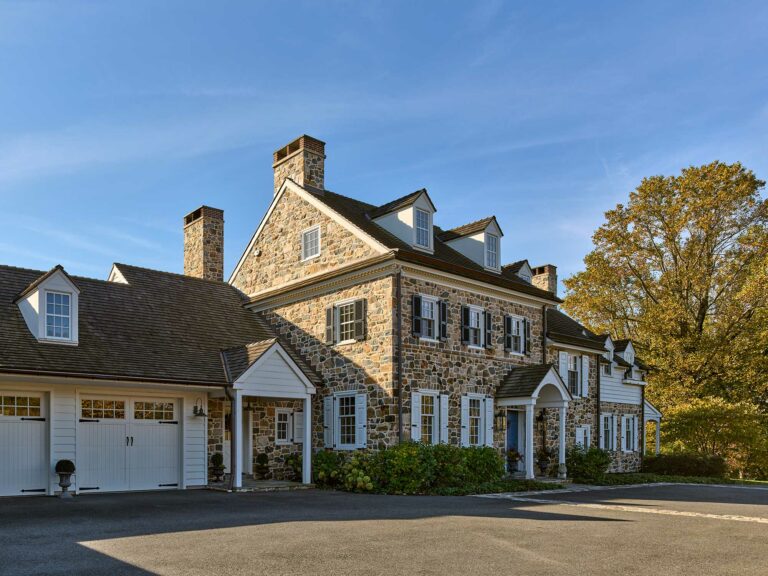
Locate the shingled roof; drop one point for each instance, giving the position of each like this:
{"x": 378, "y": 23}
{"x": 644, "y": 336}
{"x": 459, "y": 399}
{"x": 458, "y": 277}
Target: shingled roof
{"x": 564, "y": 329}
{"x": 467, "y": 229}
{"x": 239, "y": 358}
{"x": 399, "y": 203}
{"x": 443, "y": 257}
{"x": 522, "y": 382}
{"x": 156, "y": 327}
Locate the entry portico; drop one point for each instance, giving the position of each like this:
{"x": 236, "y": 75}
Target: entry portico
{"x": 531, "y": 388}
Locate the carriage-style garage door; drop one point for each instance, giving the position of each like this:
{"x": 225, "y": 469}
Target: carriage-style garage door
{"x": 23, "y": 443}
{"x": 128, "y": 444}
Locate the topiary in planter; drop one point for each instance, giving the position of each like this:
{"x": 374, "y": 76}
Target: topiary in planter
{"x": 261, "y": 469}
{"x": 65, "y": 469}
{"x": 217, "y": 466}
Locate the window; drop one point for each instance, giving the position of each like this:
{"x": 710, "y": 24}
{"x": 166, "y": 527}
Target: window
{"x": 573, "y": 375}
{"x": 475, "y": 327}
{"x": 103, "y": 409}
{"x": 19, "y": 406}
{"x": 475, "y": 421}
{"x": 423, "y": 228}
{"x": 428, "y": 318}
{"x": 58, "y": 315}
{"x": 583, "y": 436}
{"x": 516, "y": 340}
{"x": 346, "y": 321}
{"x": 310, "y": 243}
{"x": 607, "y": 368}
{"x": 283, "y": 426}
{"x": 152, "y": 410}
{"x": 526, "y": 277}
{"x": 346, "y": 420}
{"x": 491, "y": 251}
{"x": 607, "y": 438}
{"x": 629, "y": 433}
{"x": 428, "y": 417}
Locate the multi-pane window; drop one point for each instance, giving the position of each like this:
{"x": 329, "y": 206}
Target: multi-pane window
{"x": 491, "y": 251}
{"x": 347, "y": 421}
{"x": 310, "y": 243}
{"x": 153, "y": 410}
{"x": 104, "y": 409}
{"x": 346, "y": 322}
{"x": 428, "y": 318}
{"x": 428, "y": 428}
{"x": 19, "y": 406}
{"x": 608, "y": 429}
{"x": 517, "y": 336}
{"x": 629, "y": 433}
{"x": 58, "y": 315}
{"x": 475, "y": 422}
{"x": 583, "y": 436}
{"x": 282, "y": 426}
{"x": 475, "y": 327}
{"x": 422, "y": 228}
{"x": 607, "y": 368}
{"x": 573, "y": 375}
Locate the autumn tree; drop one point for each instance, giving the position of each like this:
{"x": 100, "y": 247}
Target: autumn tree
{"x": 682, "y": 270}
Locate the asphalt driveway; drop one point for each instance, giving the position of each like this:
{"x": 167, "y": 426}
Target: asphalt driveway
{"x": 657, "y": 530}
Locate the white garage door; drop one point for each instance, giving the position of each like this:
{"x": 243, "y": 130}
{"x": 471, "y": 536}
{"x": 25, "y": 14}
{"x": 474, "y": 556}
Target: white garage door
{"x": 23, "y": 444}
{"x": 128, "y": 444}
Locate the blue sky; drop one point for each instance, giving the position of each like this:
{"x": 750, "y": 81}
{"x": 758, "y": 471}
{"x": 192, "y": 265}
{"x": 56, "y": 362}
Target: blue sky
{"x": 120, "y": 117}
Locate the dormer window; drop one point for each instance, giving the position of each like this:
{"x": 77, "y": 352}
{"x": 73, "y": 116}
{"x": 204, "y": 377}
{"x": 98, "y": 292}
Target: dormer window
{"x": 58, "y": 315}
{"x": 492, "y": 251}
{"x": 423, "y": 228}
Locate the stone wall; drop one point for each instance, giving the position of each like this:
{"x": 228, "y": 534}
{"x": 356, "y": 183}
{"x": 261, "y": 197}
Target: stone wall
{"x": 263, "y": 419}
{"x": 204, "y": 244}
{"x": 303, "y": 161}
{"x": 366, "y": 366}
{"x": 625, "y": 461}
{"x": 279, "y": 247}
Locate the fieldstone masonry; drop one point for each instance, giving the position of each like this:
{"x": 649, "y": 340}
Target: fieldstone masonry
{"x": 204, "y": 243}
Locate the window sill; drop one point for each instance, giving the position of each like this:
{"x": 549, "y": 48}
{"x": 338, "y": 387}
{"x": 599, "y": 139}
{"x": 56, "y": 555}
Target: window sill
{"x": 428, "y": 250}
{"x": 345, "y": 342}
{"x": 428, "y": 339}
{"x": 284, "y": 443}
{"x": 64, "y": 341}
{"x": 511, "y": 353}
{"x": 309, "y": 258}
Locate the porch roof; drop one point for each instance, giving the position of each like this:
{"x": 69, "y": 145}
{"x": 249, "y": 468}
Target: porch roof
{"x": 523, "y": 381}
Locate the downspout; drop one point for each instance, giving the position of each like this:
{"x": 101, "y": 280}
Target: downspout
{"x": 228, "y": 393}
{"x": 597, "y": 386}
{"x": 399, "y": 354}
{"x": 641, "y": 425}
{"x": 544, "y": 334}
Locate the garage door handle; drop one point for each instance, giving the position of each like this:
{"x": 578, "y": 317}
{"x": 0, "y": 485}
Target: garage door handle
{"x": 33, "y": 419}
{"x": 131, "y": 440}
{"x": 87, "y": 420}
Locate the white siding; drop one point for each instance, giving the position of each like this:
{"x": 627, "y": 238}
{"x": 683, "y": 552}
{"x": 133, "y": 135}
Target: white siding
{"x": 63, "y": 430}
{"x": 272, "y": 377}
{"x": 195, "y": 433}
{"x": 613, "y": 390}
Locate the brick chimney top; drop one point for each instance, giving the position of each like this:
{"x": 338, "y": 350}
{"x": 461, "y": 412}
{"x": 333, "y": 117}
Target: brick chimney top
{"x": 545, "y": 277}
{"x": 303, "y": 161}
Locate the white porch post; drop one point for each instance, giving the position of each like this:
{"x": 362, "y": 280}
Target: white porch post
{"x": 561, "y": 469}
{"x": 529, "y": 441}
{"x": 306, "y": 470}
{"x": 658, "y": 437}
{"x": 237, "y": 435}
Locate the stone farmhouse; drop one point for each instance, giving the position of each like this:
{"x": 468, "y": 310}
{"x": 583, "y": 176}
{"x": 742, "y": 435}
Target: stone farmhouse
{"x": 344, "y": 326}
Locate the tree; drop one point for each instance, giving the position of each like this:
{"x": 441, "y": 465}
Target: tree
{"x": 682, "y": 270}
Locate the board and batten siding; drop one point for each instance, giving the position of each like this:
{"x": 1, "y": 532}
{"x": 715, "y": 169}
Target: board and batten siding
{"x": 274, "y": 378}
{"x": 613, "y": 390}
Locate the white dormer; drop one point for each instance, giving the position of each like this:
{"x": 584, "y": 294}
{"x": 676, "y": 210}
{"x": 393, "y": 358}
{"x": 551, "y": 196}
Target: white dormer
{"x": 628, "y": 353}
{"x": 50, "y": 307}
{"x": 525, "y": 272}
{"x": 411, "y": 219}
{"x": 479, "y": 241}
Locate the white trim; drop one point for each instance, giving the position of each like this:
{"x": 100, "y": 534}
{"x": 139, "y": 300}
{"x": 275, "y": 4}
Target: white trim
{"x": 276, "y": 348}
{"x": 550, "y": 378}
{"x": 437, "y": 423}
{"x": 430, "y": 230}
{"x": 522, "y": 320}
{"x": 321, "y": 206}
{"x": 572, "y": 347}
{"x": 337, "y": 445}
{"x": 586, "y": 429}
{"x": 496, "y": 268}
{"x": 436, "y": 320}
{"x": 481, "y": 327}
{"x": 319, "y": 242}
{"x": 337, "y": 321}
{"x": 288, "y": 427}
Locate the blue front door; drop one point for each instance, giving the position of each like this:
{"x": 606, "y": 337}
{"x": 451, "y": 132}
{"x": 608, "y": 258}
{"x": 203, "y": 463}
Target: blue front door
{"x": 512, "y": 436}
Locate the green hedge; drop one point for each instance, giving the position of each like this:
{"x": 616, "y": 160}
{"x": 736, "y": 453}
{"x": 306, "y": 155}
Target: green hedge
{"x": 409, "y": 468}
{"x": 587, "y": 466}
{"x": 685, "y": 465}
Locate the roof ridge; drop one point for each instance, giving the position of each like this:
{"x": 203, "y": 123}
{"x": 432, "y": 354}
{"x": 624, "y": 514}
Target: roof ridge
{"x": 178, "y": 274}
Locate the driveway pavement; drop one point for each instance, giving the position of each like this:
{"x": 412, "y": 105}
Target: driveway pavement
{"x": 667, "y": 530}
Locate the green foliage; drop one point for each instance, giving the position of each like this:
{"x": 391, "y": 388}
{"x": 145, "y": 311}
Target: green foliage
{"x": 327, "y": 468}
{"x": 588, "y": 466}
{"x": 483, "y": 464}
{"x": 407, "y": 468}
{"x": 217, "y": 460}
{"x": 682, "y": 464}
{"x": 295, "y": 462}
{"x": 65, "y": 467}
{"x": 262, "y": 464}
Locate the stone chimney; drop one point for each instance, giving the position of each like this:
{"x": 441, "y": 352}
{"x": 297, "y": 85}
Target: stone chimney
{"x": 204, "y": 243}
{"x": 303, "y": 161}
{"x": 545, "y": 277}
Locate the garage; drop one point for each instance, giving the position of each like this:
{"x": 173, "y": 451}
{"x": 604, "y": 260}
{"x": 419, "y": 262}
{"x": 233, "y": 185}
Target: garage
{"x": 23, "y": 443}
{"x": 128, "y": 443}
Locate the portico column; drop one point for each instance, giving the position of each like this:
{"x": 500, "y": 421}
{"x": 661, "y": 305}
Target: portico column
{"x": 529, "y": 441}
{"x": 658, "y": 437}
{"x": 306, "y": 468}
{"x": 561, "y": 469}
{"x": 237, "y": 435}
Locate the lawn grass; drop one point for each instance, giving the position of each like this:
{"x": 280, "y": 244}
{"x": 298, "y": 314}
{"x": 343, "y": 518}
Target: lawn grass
{"x": 648, "y": 478}
{"x": 506, "y": 485}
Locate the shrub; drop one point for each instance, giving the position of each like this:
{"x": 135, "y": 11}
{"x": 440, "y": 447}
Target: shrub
{"x": 327, "y": 468}
{"x": 685, "y": 465}
{"x": 450, "y": 466}
{"x": 588, "y": 465}
{"x": 217, "y": 460}
{"x": 356, "y": 473}
{"x": 65, "y": 467}
{"x": 482, "y": 464}
{"x": 294, "y": 462}
{"x": 407, "y": 468}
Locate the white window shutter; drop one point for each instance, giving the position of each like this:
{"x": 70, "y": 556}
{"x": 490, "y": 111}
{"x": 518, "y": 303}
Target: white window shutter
{"x": 489, "y": 420}
{"x": 563, "y": 366}
{"x": 298, "y": 427}
{"x": 464, "y": 421}
{"x": 361, "y": 420}
{"x": 444, "y": 418}
{"x": 623, "y": 433}
{"x": 415, "y": 416}
{"x": 580, "y": 436}
{"x": 603, "y": 439}
{"x": 635, "y": 436}
{"x": 615, "y": 439}
{"x": 328, "y": 423}
{"x": 585, "y": 376}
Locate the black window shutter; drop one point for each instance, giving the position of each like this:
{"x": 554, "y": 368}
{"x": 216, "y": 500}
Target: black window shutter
{"x": 507, "y": 332}
{"x": 416, "y": 326}
{"x": 527, "y": 325}
{"x": 329, "y": 336}
{"x": 465, "y": 324}
{"x": 488, "y": 329}
{"x": 360, "y": 323}
{"x": 443, "y": 320}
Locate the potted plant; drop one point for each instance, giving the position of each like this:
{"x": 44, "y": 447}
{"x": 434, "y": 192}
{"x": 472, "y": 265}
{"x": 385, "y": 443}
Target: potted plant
{"x": 217, "y": 466}
{"x": 542, "y": 459}
{"x": 261, "y": 469}
{"x": 513, "y": 457}
{"x": 65, "y": 469}
{"x": 294, "y": 463}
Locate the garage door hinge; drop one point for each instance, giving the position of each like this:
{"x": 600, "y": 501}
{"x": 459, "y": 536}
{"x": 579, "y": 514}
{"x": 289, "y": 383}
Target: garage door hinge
{"x": 168, "y": 422}
{"x": 167, "y": 485}
{"x": 33, "y": 419}
{"x": 34, "y": 490}
{"x": 84, "y": 488}
{"x": 87, "y": 420}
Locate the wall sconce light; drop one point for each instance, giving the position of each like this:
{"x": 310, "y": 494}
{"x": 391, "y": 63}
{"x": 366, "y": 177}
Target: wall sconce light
{"x": 501, "y": 420}
{"x": 198, "y": 409}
